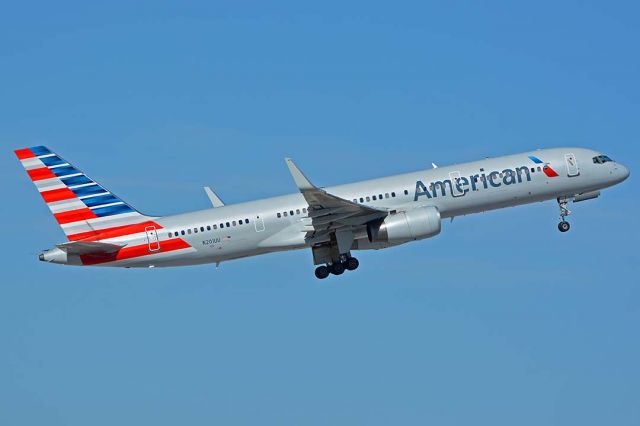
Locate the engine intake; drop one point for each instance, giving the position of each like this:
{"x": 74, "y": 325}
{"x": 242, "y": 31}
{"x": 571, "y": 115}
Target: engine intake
{"x": 416, "y": 224}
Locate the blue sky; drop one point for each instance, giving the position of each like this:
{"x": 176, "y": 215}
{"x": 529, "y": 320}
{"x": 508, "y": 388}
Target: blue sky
{"x": 499, "y": 320}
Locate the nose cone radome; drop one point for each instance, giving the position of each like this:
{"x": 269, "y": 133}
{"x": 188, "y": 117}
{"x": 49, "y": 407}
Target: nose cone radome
{"x": 623, "y": 172}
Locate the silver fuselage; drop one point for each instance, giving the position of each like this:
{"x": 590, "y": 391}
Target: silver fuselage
{"x": 488, "y": 184}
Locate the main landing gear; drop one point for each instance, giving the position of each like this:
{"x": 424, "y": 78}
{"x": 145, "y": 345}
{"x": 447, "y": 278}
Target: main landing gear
{"x": 338, "y": 268}
{"x": 563, "y": 226}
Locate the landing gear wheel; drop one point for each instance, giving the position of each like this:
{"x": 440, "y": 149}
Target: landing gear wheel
{"x": 337, "y": 268}
{"x": 322, "y": 272}
{"x": 352, "y": 264}
{"x": 564, "y": 226}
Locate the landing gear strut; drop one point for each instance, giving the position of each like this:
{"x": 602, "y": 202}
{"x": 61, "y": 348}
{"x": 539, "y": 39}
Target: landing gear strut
{"x": 563, "y": 226}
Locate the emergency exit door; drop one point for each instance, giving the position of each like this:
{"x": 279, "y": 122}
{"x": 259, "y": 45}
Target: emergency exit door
{"x": 259, "y": 223}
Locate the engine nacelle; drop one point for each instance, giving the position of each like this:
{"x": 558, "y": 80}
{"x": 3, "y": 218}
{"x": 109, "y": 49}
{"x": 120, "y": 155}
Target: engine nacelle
{"x": 416, "y": 224}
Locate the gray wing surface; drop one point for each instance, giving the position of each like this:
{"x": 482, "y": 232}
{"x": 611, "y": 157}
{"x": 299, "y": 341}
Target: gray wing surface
{"x": 327, "y": 212}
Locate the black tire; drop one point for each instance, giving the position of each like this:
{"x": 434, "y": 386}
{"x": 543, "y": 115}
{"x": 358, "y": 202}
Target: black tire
{"x": 337, "y": 268}
{"x": 352, "y": 264}
{"x": 564, "y": 226}
{"x": 322, "y": 272}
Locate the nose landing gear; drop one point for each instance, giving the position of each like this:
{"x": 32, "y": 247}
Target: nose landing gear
{"x": 563, "y": 226}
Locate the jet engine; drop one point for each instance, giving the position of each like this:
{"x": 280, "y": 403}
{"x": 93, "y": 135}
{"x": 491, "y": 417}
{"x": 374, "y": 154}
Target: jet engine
{"x": 416, "y": 224}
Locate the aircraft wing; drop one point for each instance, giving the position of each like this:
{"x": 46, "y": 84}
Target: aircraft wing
{"x": 328, "y": 212}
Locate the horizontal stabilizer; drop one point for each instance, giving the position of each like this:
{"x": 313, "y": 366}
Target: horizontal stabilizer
{"x": 82, "y": 247}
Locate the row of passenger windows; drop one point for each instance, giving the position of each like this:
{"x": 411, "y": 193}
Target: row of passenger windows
{"x": 355, "y": 200}
{"x": 292, "y": 212}
{"x": 209, "y": 227}
{"x": 374, "y": 197}
{"x": 369, "y": 198}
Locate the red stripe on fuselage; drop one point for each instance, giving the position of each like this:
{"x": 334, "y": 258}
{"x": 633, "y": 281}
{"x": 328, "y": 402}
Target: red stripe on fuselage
{"x": 74, "y": 216}
{"x": 135, "y": 251}
{"x": 116, "y": 231}
{"x": 41, "y": 173}
{"x": 24, "y": 153}
{"x": 57, "y": 195}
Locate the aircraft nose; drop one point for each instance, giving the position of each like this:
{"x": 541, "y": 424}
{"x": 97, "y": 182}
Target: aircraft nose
{"x": 620, "y": 173}
{"x": 623, "y": 172}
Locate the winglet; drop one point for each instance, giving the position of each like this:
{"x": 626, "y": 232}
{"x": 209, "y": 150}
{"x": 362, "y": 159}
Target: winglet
{"x": 213, "y": 197}
{"x": 298, "y": 177}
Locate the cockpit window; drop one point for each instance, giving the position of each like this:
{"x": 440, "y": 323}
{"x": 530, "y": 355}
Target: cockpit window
{"x": 601, "y": 159}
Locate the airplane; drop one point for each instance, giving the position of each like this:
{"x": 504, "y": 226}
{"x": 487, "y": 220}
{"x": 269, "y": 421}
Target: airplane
{"x": 103, "y": 230}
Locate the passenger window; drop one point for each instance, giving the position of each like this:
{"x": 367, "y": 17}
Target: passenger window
{"x": 246, "y": 221}
{"x": 227, "y": 224}
{"x": 297, "y": 211}
{"x": 195, "y": 230}
{"x": 182, "y": 232}
{"x": 533, "y": 170}
{"x": 375, "y": 198}
{"x": 386, "y": 195}
{"x": 406, "y": 192}
{"x": 393, "y": 194}
{"x": 539, "y": 168}
{"x": 279, "y": 215}
{"x": 170, "y": 235}
{"x": 380, "y": 196}
{"x": 361, "y": 200}
{"x": 215, "y": 226}
{"x": 189, "y": 231}
{"x": 221, "y": 225}
{"x": 291, "y": 212}
{"x": 202, "y": 229}
{"x": 304, "y": 210}
{"x": 240, "y": 222}
{"x": 208, "y": 227}
{"x": 233, "y": 223}
{"x": 285, "y": 214}
{"x": 368, "y": 198}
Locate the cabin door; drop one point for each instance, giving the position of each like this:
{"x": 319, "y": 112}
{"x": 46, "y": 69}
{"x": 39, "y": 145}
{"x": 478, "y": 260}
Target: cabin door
{"x": 572, "y": 165}
{"x": 152, "y": 238}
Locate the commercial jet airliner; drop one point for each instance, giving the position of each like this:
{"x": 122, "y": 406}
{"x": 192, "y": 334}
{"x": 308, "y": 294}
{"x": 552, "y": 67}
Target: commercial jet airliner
{"x": 103, "y": 230}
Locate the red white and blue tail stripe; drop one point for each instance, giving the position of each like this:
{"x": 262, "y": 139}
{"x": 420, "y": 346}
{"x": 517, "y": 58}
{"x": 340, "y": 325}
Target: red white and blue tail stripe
{"x": 83, "y": 208}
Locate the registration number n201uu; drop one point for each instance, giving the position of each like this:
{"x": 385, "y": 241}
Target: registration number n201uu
{"x": 211, "y": 241}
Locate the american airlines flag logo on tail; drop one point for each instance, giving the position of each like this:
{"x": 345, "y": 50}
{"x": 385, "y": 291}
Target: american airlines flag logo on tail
{"x": 82, "y": 207}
